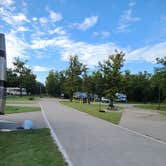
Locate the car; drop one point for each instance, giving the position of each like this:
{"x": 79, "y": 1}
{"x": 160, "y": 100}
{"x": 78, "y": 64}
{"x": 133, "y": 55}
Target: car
{"x": 105, "y": 100}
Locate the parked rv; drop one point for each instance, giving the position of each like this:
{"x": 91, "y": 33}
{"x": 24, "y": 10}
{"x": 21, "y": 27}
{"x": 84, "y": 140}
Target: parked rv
{"x": 15, "y": 91}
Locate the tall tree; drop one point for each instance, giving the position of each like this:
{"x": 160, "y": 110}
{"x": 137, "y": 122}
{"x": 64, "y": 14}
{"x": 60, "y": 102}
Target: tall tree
{"x": 40, "y": 88}
{"x": 73, "y": 74}
{"x": 26, "y": 78}
{"x": 112, "y": 74}
{"x": 53, "y": 83}
{"x": 159, "y": 79}
{"x": 97, "y": 83}
{"x": 137, "y": 86}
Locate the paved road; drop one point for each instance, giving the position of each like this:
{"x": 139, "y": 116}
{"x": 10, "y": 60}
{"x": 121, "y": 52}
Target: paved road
{"x": 147, "y": 122}
{"x": 90, "y": 141}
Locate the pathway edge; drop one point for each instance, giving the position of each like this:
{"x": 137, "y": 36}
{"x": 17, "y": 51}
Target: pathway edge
{"x": 55, "y": 138}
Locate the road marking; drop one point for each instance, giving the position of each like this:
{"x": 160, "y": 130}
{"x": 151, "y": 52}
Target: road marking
{"x": 140, "y": 134}
{"x": 56, "y": 140}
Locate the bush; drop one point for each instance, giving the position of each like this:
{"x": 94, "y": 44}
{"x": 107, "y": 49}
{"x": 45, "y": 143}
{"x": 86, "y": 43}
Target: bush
{"x": 31, "y": 98}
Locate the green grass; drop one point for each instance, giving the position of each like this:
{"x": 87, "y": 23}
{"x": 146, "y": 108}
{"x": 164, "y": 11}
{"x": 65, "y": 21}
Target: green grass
{"x": 23, "y": 99}
{"x": 163, "y": 112}
{"x": 29, "y": 148}
{"x": 93, "y": 109}
{"x": 19, "y": 109}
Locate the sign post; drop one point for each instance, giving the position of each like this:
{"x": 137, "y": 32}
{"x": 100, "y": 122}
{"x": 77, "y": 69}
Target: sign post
{"x": 2, "y": 73}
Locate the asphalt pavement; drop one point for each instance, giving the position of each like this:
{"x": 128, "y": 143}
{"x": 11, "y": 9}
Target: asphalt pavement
{"x": 90, "y": 141}
{"x": 147, "y": 122}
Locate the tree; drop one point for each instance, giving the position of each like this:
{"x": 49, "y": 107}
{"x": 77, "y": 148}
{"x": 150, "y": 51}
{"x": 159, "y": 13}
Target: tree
{"x": 97, "y": 83}
{"x": 25, "y": 76}
{"x": 110, "y": 70}
{"x": 73, "y": 73}
{"x": 62, "y": 78}
{"x": 53, "y": 83}
{"x": 40, "y": 88}
{"x": 137, "y": 86}
{"x": 158, "y": 80}
{"x": 12, "y": 79}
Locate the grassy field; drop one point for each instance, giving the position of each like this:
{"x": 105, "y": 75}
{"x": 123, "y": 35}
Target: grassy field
{"x": 19, "y": 109}
{"x": 23, "y": 99}
{"x": 93, "y": 109}
{"x": 151, "y": 106}
{"x": 29, "y": 148}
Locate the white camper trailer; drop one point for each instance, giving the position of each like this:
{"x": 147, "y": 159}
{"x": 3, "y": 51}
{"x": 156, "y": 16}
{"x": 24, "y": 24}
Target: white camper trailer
{"x": 15, "y": 91}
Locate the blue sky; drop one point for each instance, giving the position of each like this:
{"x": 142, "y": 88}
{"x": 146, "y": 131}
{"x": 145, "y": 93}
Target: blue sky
{"x": 46, "y": 32}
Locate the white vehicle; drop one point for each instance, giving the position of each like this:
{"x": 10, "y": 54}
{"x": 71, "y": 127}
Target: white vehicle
{"x": 15, "y": 91}
{"x": 80, "y": 95}
{"x": 105, "y": 100}
{"x": 121, "y": 97}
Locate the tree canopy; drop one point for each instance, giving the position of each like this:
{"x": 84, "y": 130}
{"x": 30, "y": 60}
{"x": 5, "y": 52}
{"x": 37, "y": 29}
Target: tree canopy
{"x": 22, "y": 76}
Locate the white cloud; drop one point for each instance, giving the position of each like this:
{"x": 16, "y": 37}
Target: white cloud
{"x": 43, "y": 20}
{"x": 87, "y": 23}
{"x": 6, "y": 3}
{"x": 148, "y": 53}
{"x": 40, "y": 69}
{"x": 127, "y": 18}
{"x": 20, "y": 17}
{"x": 12, "y": 19}
{"x": 88, "y": 53}
{"x": 22, "y": 29}
{"x": 132, "y": 3}
{"x": 34, "y": 19}
{"x": 58, "y": 30}
{"x": 15, "y": 47}
{"x": 55, "y": 17}
{"x": 103, "y": 34}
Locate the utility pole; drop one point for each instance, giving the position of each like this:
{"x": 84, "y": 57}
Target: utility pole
{"x": 2, "y": 73}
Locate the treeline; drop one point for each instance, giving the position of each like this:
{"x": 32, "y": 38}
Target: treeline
{"x": 22, "y": 76}
{"x": 108, "y": 79}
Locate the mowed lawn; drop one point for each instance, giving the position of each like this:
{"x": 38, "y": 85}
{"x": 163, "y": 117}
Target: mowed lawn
{"x": 93, "y": 109}
{"x": 151, "y": 106}
{"x": 29, "y": 148}
{"x": 21, "y": 100}
{"x": 19, "y": 109}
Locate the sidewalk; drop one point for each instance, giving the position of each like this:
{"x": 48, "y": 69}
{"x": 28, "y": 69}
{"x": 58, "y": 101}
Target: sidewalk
{"x": 90, "y": 141}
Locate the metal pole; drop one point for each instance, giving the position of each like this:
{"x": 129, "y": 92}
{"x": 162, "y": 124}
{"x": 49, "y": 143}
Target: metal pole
{"x": 2, "y": 73}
